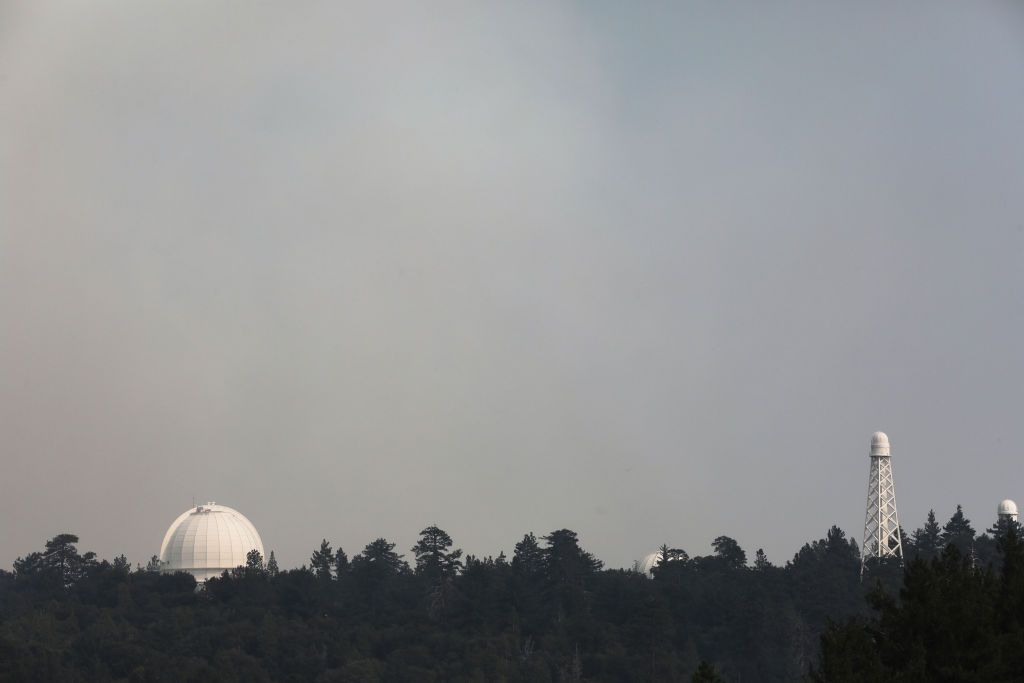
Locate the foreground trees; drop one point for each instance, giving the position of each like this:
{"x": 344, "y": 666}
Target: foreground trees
{"x": 58, "y": 567}
{"x": 952, "y": 621}
{"x": 550, "y": 613}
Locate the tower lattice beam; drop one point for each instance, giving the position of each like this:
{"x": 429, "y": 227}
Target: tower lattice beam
{"x": 881, "y": 521}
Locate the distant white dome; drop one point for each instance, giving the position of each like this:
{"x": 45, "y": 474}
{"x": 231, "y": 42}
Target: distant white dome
{"x": 879, "y": 444}
{"x": 206, "y": 540}
{"x": 649, "y": 563}
{"x": 1007, "y": 509}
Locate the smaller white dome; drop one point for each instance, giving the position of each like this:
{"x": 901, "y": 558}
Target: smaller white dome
{"x": 879, "y": 444}
{"x": 1007, "y": 508}
{"x": 649, "y": 563}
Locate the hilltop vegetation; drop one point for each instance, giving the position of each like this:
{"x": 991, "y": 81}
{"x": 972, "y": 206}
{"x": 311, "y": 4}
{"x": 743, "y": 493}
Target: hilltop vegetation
{"x": 551, "y": 612}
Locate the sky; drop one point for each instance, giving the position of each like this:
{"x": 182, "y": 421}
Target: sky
{"x": 651, "y": 272}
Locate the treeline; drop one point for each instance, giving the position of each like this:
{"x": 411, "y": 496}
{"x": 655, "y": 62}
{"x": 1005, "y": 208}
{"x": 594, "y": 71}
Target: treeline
{"x": 958, "y": 617}
{"x": 550, "y": 612}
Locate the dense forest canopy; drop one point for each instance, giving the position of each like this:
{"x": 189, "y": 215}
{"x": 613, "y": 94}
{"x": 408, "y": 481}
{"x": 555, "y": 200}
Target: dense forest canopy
{"x": 551, "y": 612}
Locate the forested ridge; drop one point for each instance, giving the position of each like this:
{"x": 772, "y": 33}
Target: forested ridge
{"x": 550, "y": 612}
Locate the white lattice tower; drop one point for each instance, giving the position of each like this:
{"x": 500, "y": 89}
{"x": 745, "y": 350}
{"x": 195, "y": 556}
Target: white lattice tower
{"x": 881, "y": 522}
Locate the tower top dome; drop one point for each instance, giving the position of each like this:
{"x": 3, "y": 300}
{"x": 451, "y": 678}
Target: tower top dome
{"x": 1007, "y": 508}
{"x": 207, "y": 540}
{"x": 879, "y": 444}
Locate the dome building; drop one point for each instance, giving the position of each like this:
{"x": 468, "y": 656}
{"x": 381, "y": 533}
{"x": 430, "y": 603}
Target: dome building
{"x": 207, "y": 540}
{"x": 648, "y": 564}
{"x": 1007, "y": 509}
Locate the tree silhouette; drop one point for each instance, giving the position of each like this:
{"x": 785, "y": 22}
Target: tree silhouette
{"x": 433, "y": 559}
{"x": 272, "y": 569}
{"x": 926, "y": 541}
{"x": 959, "y": 532}
{"x": 729, "y": 551}
{"x": 322, "y": 560}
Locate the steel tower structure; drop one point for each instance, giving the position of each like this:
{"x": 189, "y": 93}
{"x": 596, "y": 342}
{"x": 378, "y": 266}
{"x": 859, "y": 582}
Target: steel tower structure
{"x": 881, "y": 523}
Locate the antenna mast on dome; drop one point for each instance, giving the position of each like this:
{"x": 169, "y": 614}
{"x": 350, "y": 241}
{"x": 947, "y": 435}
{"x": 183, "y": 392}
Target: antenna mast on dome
{"x": 881, "y": 523}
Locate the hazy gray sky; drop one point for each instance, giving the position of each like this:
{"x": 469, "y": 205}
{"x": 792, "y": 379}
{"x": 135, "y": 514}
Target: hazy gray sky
{"x": 652, "y": 272}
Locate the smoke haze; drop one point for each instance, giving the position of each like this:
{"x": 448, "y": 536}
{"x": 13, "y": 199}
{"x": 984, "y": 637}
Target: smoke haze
{"x": 652, "y": 274}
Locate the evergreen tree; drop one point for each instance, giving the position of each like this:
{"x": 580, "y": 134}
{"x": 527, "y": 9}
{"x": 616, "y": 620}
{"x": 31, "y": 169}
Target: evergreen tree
{"x": 154, "y": 564}
{"x": 959, "y": 532}
{"x": 254, "y": 564}
{"x": 836, "y": 544}
{"x": 565, "y": 562}
{"x": 340, "y": 562}
{"x": 1001, "y": 526}
{"x": 666, "y": 555}
{"x": 528, "y": 558}
{"x": 927, "y": 541}
{"x": 59, "y": 565}
{"x": 433, "y": 559}
{"x": 272, "y": 569}
{"x": 379, "y": 559}
{"x": 849, "y": 654}
{"x": 29, "y": 567}
{"x": 568, "y": 572}
{"x": 671, "y": 564}
{"x": 322, "y": 560}
{"x": 62, "y": 556}
{"x": 121, "y": 564}
{"x": 761, "y": 560}
{"x": 729, "y": 551}
{"x": 1010, "y": 609}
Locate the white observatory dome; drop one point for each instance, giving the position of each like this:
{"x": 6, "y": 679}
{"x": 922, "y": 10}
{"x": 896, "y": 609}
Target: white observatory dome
{"x": 208, "y": 539}
{"x": 879, "y": 444}
{"x": 1007, "y": 508}
{"x": 649, "y": 563}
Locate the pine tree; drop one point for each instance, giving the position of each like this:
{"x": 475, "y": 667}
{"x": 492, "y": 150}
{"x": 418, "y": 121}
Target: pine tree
{"x": 836, "y": 544}
{"x": 959, "y": 532}
{"x": 59, "y": 565}
{"x": 121, "y": 564}
{"x": 848, "y": 653}
{"x": 528, "y": 558}
{"x": 154, "y": 564}
{"x": 565, "y": 561}
{"x": 671, "y": 561}
{"x": 1010, "y": 604}
{"x": 379, "y": 560}
{"x": 340, "y": 562}
{"x": 63, "y": 559}
{"x": 568, "y": 573}
{"x": 272, "y": 569}
{"x": 254, "y": 564}
{"x": 730, "y": 551}
{"x": 433, "y": 560}
{"x": 761, "y": 560}
{"x": 322, "y": 560}
{"x": 1001, "y": 526}
{"x": 927, "y": 541}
